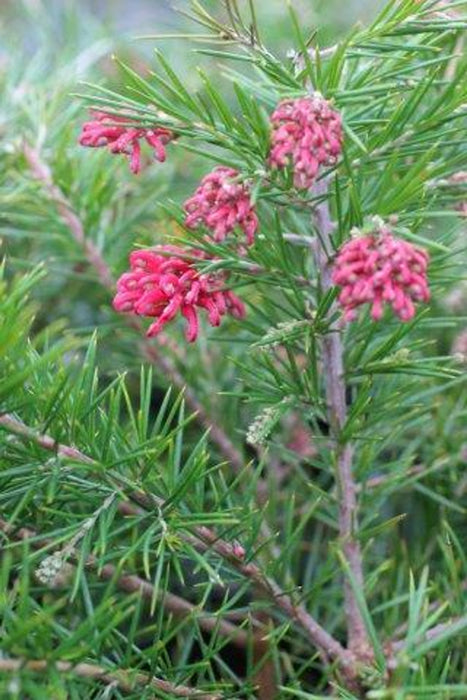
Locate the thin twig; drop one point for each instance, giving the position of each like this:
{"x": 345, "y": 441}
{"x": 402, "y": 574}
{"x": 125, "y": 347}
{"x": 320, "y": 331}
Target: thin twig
{"x": 294, "y": 239}
{"x": 13, "y": 425}
{"x": 325, "y": 52}
{"x": 42, "y": 173}
{"x": 390, "y": 146}
{"x": 131, "y": 583}
{"x": 401, "y": 630}
{"x": 207, "y": 539}
{"x": 376, "y": 482}
{"x": 332, "y": 354}
{"x": 127, "y": 680}
{"x": 430, "y": 635}
{"x": 324, "y": 642}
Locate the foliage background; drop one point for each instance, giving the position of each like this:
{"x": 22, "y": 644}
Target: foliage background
{"x": 51, "y": 382}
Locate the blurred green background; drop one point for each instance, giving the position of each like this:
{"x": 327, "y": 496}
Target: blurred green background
{"x": 126, "y": 19}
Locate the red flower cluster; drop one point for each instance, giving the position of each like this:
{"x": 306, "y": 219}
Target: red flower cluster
{"x": 307, "y": 134}
{"x": 121, "y": 137}
{"x": 221, "y": 203}
{"x": 162, "y": 282}
{"x": 379, "y": 269}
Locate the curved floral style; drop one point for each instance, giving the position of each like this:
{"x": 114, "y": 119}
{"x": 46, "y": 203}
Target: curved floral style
{"x": 381, "y": 269}
{"x": 162, "y": 282}
{"x": 120, "y": 136}
{"x": 221, "y": 203}
{"x": 306, "y": 135}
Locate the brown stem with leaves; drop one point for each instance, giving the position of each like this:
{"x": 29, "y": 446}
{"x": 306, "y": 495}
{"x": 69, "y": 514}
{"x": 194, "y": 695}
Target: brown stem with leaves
{"x": 207, "y": 540}
{"x": 131, "y": 583}
{"x": 42, "y": 173}
{"x": 126, "y": 680}
{"x": 456, "y": 624}
{"x": 327, "y": 645}
{"x": 401, "y": 630}
{"x": 332, "y": 354}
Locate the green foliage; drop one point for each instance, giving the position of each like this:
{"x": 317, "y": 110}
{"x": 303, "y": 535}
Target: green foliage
{"x": 112, "y": 448}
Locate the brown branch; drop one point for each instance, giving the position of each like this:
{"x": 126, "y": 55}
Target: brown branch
{"x": 375, "y": 482}
{"x": 327, "y": 645}
{"x": 42, "y": 173}
{"x": 332, "y": 357}
{"x": 131, "y": 583}
{"x": 208, "y": 540}
{"x": 265, "y": 677}
{"x": 148, "y": 502}
{"x": 127, "y": 680}
{"x": 332, "y": 354}
{"x": 431, "y": 634}
{"x": 432, "y": 607}
{"x": 178, "y": 606}
{"x": 13, "y": 425}
{"x": 298, "y": 57}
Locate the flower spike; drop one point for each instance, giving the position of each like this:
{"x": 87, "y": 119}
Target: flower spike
{"x": 120, "y": 136}
{"x": 162, "y": 282}
{"x": 221, "y": 203}
{"x": 306, "y": 135}
{"x": 381, "y": 269}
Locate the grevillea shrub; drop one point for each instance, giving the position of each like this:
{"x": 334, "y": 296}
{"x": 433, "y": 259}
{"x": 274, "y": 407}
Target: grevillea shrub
{"x": 233, "y": 408}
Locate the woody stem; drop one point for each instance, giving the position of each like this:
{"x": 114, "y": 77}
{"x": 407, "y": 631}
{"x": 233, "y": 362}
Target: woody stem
{"x": 332, "y": 354}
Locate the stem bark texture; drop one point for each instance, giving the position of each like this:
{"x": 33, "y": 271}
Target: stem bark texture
{"x": 332, "y": 355}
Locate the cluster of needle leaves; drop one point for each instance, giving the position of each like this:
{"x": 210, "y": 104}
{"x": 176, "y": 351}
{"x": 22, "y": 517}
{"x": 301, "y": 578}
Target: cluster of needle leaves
{"x": 113, "y": 452}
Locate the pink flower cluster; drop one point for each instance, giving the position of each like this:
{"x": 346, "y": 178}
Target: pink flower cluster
{"x": 375, "y": 269}
{"x": 162, "y": 282}
{"x": 306, "y": 134}
{"x": 121, "y": 137}
{"x": 379, "y": 269}
{"x": 221, "y": 203}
